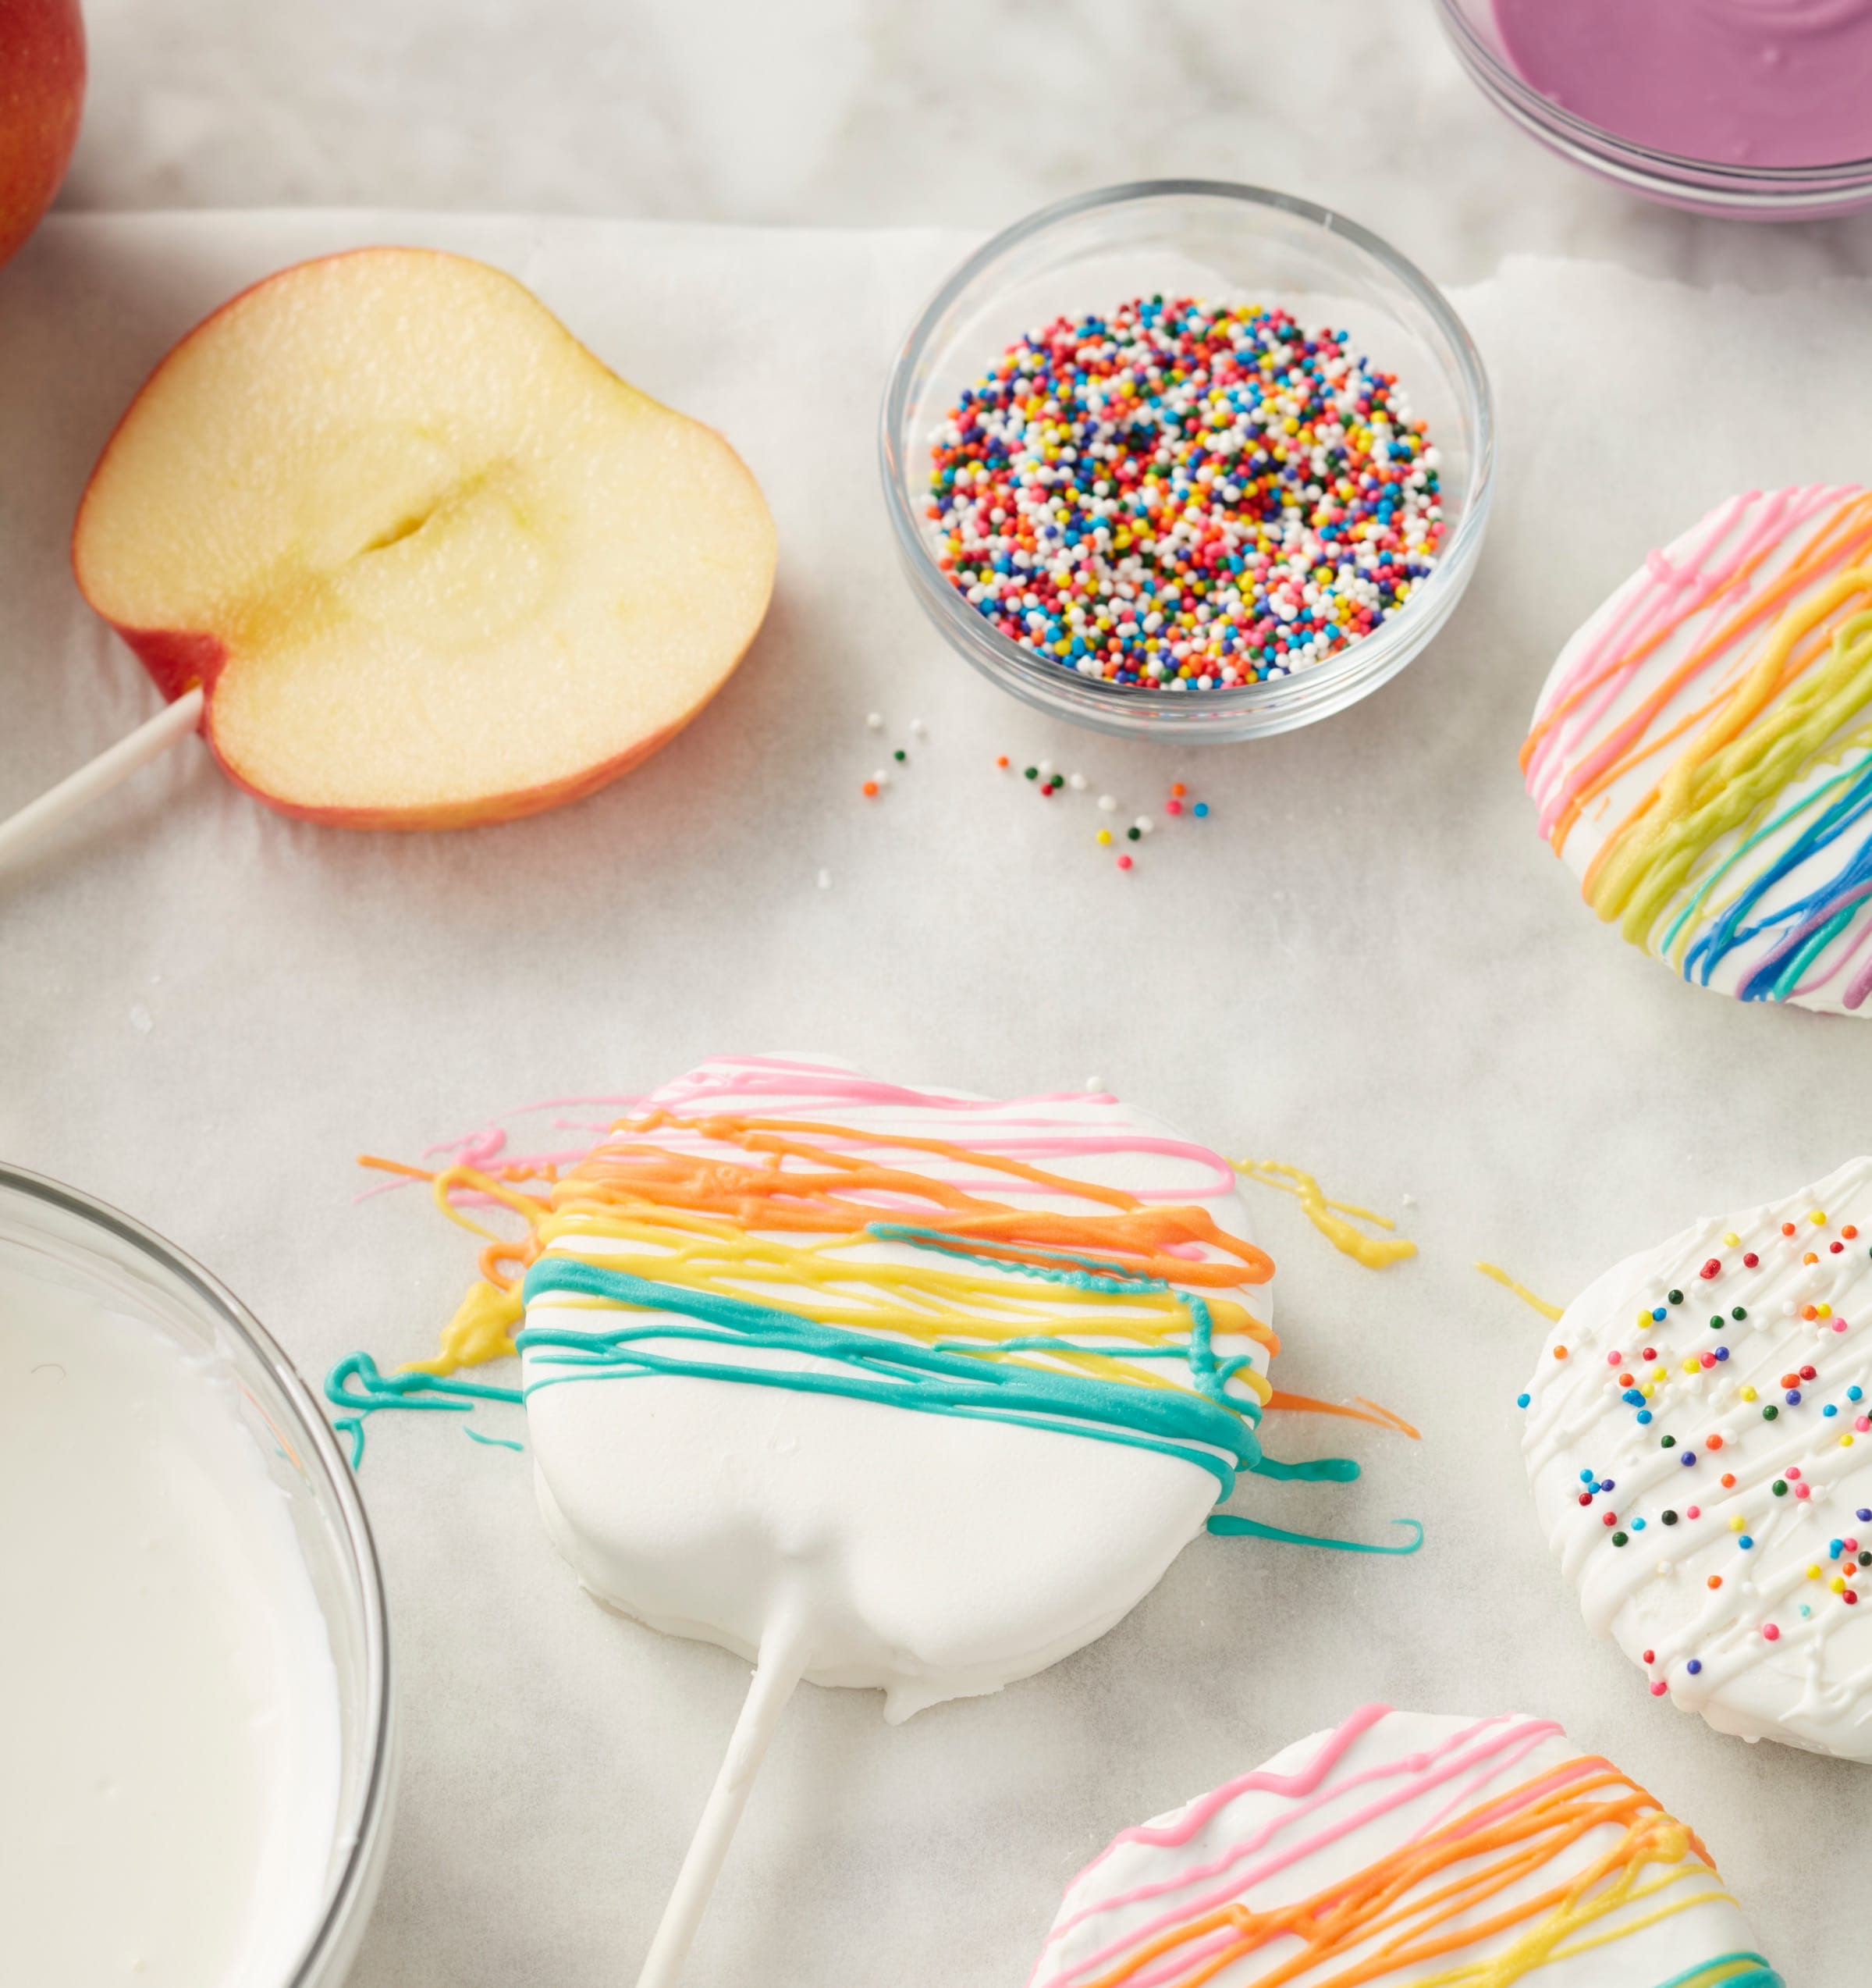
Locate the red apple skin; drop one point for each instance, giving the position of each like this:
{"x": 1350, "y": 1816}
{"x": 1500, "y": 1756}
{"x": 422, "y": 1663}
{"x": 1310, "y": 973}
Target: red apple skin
{"x": 41, "y": 100}
{"x": 177, "y": 662}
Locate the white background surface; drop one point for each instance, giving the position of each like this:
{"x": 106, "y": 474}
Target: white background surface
{"x": 1365, "y": 961}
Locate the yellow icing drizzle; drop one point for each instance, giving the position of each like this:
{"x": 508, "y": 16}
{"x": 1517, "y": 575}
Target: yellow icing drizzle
{"x": 1662, "y": 1839}
{"x": 481, "y": 1330}
{"x": 1375, "y": 1252}
{"x": 1521, "y": 1291}
{"x": 608, "y": 1224}
{"x": 1736, "y": 765}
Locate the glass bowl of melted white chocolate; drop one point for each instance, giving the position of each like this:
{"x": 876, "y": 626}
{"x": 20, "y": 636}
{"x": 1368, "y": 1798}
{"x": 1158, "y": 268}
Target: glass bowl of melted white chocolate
{"x": 194, "y": 1674}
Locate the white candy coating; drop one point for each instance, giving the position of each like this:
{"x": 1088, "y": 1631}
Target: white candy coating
{"x": 1780, "y": 1652}
{"x": 928, "y": 1556}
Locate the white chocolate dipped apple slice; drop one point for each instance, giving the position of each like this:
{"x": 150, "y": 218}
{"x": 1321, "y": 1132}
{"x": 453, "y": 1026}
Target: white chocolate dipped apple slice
{"x": 949, "y": 1462}
{"x": 908, "y": 1389}
{"x": 1409, "y": 1848}
{"x": 430, "y": 563}
{"x": 799, "y": 1514}
{"x": 1699, "y": 1441}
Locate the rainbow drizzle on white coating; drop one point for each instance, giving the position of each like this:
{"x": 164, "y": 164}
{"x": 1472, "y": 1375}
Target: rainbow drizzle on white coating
{"x": 1401, "y": 1848}
{"x": 739, "y": 1230}
{"x": 1701, "y": 753}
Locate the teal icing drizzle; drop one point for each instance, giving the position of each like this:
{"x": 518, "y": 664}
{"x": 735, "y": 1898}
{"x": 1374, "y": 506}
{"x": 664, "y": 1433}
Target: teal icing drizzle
{"x": 353, "y": 1426}
{"x": 867, "y": 1367}
{"x": 1756, "y": 1973}
{"x": 492, "y": 1443}
{"x": 1228, "y": 1525}
{"x": 356, "y": 1386}
{"x": 1771, "y": 827}
{"x": 1210, "y": 1428}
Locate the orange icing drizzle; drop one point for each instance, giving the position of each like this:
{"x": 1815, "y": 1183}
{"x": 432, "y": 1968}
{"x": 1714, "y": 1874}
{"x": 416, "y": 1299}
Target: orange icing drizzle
{"x": 1387, "y": 1900}
{"x": 622, "y": 1174}
{"x": 827, "y": 1192}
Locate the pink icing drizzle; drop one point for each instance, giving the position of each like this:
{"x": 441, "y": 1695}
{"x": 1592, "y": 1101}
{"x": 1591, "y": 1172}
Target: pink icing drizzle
{"x": 1489, "y": 1747}
{"x": 805, "y": 1088}
{"x": 1640, "y": 612}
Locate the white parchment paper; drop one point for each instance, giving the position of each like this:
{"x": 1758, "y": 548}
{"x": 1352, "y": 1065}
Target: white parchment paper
{"x": 1364, "y": 961}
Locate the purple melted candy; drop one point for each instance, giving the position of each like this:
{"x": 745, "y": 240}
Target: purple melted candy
{"x": 1749, "y": 83}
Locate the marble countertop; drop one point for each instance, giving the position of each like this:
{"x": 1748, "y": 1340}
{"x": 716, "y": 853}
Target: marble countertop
{"x": 870, "y": 113}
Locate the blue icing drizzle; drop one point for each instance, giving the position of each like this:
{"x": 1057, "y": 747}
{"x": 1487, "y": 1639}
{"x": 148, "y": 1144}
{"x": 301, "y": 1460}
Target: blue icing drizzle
{"x": 1833, "y": 902}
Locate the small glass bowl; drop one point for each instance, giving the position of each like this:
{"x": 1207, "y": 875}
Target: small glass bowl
{"x": 54, "y": 1235}
{"x": 1762, "y": 192}
{"x": 1224, "y": 244}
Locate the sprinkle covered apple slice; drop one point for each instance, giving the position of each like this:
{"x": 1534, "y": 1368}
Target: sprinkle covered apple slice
{"x": 432, "y": 562}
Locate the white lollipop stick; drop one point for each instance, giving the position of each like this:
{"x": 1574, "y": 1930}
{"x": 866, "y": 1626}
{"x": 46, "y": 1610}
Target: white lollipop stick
{"x": 148, "y": 741}
{"x": 782, "y": 1661}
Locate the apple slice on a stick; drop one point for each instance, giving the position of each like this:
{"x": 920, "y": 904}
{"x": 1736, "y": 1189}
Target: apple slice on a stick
{"x": 429, "y": 561}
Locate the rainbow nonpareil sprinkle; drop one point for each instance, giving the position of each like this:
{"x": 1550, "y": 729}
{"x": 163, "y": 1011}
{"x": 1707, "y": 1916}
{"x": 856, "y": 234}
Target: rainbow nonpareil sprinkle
{"x": 1184, "y": 496}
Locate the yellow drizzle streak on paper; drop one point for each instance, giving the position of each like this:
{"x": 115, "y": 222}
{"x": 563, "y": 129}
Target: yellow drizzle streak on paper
{"x": 481, "y": 1330}
{"x": 1521, "y": 1291}
{"x": 1375, "y": 1252}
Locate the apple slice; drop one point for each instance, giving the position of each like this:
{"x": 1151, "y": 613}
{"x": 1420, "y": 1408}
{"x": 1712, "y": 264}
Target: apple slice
{"x": 430, "y": 561}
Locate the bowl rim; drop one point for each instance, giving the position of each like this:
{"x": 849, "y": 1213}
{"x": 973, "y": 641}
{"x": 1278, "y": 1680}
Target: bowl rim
{"x": 1716, "y": 178}
{"x": 353, "y": 1882}
{"x": 1365, "y": 663}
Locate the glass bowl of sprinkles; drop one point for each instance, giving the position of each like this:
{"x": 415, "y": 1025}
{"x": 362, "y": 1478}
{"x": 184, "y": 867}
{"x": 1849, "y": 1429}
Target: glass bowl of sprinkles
{"x": 1188, "y": 459}
{"x": 1757, "y": 109}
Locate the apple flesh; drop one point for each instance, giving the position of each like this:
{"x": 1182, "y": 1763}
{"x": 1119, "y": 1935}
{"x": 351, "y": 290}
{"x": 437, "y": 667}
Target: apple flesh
{"x": 41, "y": 99}
{"x": 432, "y": 562}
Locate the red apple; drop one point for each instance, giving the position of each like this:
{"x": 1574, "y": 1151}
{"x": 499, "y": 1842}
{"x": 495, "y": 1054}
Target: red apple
{"x": 432, "y": 562}
{"x": 41, "y": 97}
